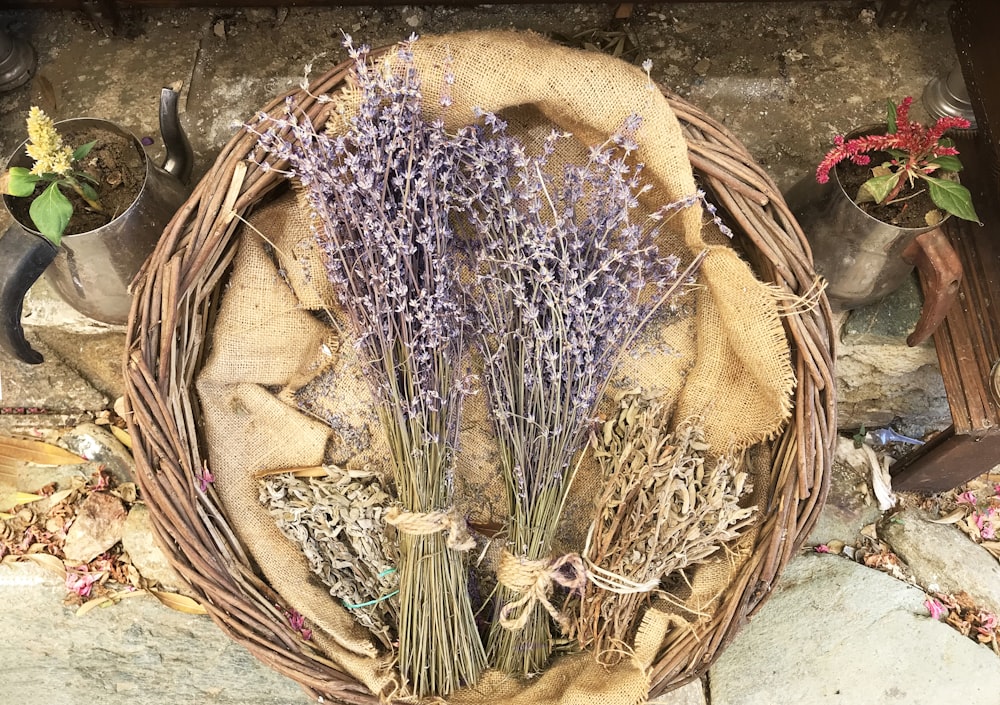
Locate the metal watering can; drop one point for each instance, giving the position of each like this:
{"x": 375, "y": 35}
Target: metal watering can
{"x": 92, "y": 271}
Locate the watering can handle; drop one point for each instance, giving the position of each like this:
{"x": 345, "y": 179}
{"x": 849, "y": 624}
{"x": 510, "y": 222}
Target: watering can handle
{"x": 940, "y": 277}
{"x": 23, "y": 258}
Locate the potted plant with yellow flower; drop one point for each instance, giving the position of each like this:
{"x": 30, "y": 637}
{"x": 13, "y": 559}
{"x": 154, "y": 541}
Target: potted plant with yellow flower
{"x": 93, "y": 211}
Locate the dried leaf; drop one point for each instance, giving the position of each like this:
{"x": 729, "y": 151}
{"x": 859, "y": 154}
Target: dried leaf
{"x": 993, "y": 547}
{"x": 952, "y": 517}
{"x": 836, "y": 546}
{"x": 58, "y": 497}
{"x": 312, "y": 471}
{"x": 869, "y": 531}
{"x": 16, "y": 499}
{"x": 111, "y": 599}
{"x": 122, "y": 436}
{"x": 181, "y": 603}
{"x": 881, "y": 481}
{"x": 49, "y": 562}
{"x": 38, "y": 452}
{"x": 126, "y": 492}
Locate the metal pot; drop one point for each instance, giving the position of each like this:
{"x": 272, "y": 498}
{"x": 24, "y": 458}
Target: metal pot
{"x": 92, "y": 271}
{"x": 864, "y": 259}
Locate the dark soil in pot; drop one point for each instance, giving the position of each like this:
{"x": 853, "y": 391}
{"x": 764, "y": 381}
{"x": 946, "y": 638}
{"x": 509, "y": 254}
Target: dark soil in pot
{"x": 908, "y": 210}
{"x": 118, "y": 166}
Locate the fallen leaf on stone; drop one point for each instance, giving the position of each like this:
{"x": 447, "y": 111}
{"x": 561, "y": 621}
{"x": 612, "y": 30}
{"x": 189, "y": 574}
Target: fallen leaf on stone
{"x": 952, "y": 517}
{"x": 49, "y": 562}
{"x": 181, "y": 603}
{"x": 127, "y": 492}
{"x": 58, "y": 497}
{"x": 16, "y": 499}
{"x": 881, "y": 481}
{"x": 25, "y": 450}
{"x": 835, "y": 546}
{"x": 107, "y": 601}
{"x": 122, "y": 435}
{"x": 993, "y": 547}
{"x": 869, "y": 531}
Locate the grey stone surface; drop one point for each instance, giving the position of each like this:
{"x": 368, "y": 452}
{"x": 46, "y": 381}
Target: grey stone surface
{"x": 850, "y": 505}
{"x": 692, "y": 693}
{"x": 887, "y": 321}
{"x": 837, "y": 632}
{"x": 881, "y": 382}
{"x": 942, "y": 558}
{"x": 52, "y": 386}
{"x": 137, "y": 652}
{"x": 96, "y": 357}
{"x": 102, "y": 449}
{"x": 145, "y": 553}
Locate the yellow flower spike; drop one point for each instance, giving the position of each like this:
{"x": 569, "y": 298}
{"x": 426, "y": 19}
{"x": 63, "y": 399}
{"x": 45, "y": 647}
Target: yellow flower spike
{"x": 45, "y": 145}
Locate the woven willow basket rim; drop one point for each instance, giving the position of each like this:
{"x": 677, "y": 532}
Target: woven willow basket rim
{"x": 175, "y": 300}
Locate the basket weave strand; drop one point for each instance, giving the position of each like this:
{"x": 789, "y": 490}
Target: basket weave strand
{"x": 176, "y": 297}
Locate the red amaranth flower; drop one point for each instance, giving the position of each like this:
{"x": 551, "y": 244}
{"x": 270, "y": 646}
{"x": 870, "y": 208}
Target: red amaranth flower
{"x": 914, "y": 152}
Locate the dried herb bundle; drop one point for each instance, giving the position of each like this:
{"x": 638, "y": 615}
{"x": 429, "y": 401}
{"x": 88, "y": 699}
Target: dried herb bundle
{"x": 559, "y": 275}
{"x": 665, "y": 505}
{"x": 383, "y": 192}
{"x": 339, "y": 523}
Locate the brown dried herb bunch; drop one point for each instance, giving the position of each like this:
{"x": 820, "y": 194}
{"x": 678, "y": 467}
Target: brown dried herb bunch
{"x": 666, "y": 504}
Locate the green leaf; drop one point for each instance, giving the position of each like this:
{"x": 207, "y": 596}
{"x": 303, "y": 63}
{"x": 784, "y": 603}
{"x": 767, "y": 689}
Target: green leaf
{"x": 21, "y": 182}
{"x": 891, "y": 117}
{"x": 952, "y": 197}
{"x": 946, "y": 142}
{"x": 83, "y": 150}
{"x": 51, "y": 212}
{"x": 88, "y": 191}
{"x": 881, "y": 186}
{"x": 947, "y": 163}
{"x": 898, "y": 154}
{"x": 83, "y": 175}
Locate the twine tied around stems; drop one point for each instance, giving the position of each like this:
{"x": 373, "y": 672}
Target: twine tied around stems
{"x": 533, "y": 580}
{"x": 613, "y": 582}
{"x": 426, "y": 523}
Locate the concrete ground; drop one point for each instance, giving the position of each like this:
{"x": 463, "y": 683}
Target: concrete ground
{"x": 784, "y": 77}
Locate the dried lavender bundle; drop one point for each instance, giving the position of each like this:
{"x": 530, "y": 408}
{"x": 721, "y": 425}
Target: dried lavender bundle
{"x": 339, "y": 523}
{"x": 383, "y": 192}
{"x": 665, "y": 505}
{"x": 559, "y": 276}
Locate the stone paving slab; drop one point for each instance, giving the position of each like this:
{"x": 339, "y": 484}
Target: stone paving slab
{"x": 137, "y": 652}
{"x": 52, "y": 385}
{"x": 835, "y": 631}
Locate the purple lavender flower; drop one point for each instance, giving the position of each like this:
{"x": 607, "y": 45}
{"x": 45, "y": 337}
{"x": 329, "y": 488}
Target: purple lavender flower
{"x": 384, "y": 192}
{"x": 559, "y": 271}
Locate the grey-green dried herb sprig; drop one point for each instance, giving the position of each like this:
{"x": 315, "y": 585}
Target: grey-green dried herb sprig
{"x": 339, "y": 523}
{"x": 666, "y": 504}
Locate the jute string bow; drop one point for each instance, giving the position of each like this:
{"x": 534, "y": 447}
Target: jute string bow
{"x": 426, "y": 523}
{"x": 533, "y": 580}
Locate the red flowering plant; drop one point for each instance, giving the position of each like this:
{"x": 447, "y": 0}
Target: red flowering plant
{"x": 911, "y": 156}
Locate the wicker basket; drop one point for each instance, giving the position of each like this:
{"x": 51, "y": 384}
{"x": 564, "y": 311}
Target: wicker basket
{"x": 177, "y": 296}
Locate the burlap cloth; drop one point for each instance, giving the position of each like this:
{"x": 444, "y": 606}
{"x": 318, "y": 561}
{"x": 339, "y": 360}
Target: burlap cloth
{"x": 282, "y": 388}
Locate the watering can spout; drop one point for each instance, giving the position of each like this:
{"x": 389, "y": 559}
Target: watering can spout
{"x": 180, "y": 157}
